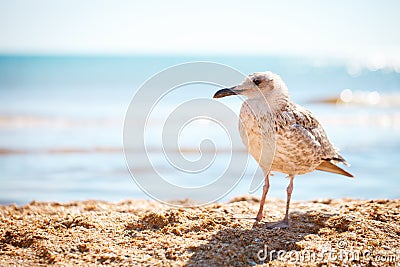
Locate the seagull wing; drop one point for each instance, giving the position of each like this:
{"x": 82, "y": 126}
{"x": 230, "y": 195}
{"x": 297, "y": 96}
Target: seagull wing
{"x": 311, "y": 132}
{"x": 309, "y": 135}
{"x": 310, "y": 129}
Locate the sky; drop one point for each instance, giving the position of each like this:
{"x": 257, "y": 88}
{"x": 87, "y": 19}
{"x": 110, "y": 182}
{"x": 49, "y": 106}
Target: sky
{"x": 334, "y": 28}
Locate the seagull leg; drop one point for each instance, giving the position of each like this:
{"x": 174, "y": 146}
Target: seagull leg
{"x": 262, "y": 201}
{"x": 289, "y": 191}
{"x": 285, "y": 222}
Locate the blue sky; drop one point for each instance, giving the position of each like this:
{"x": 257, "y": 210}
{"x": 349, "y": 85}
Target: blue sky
{"x": 334, "y": 28}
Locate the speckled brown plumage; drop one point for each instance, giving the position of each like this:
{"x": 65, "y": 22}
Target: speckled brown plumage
{"x": 300, "y": 142}
{"x": 281, "y": 135}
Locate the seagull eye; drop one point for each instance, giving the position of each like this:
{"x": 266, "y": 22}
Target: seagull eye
{"x": 256, "y": 81}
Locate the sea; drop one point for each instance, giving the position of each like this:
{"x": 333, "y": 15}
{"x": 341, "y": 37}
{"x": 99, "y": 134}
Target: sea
{"x": 62, "y": 127}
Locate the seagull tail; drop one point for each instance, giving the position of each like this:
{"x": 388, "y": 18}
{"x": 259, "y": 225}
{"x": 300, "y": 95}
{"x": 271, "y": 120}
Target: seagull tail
{"x": 327, "y": 166}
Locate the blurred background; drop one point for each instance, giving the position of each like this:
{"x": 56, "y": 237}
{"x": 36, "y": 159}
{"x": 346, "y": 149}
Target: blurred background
{"x": 69, "y": 69}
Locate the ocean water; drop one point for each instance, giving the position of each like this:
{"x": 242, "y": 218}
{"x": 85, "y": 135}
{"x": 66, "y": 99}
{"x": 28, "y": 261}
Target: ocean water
{"x": 62, "y": 118}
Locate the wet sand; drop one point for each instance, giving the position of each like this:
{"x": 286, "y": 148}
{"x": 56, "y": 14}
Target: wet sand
{"x": 138, "y": 232}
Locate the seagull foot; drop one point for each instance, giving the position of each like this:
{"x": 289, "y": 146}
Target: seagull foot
{"x": 278, "y": 225}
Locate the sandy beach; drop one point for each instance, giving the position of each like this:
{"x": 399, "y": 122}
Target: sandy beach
{"x": 138, "y": 232}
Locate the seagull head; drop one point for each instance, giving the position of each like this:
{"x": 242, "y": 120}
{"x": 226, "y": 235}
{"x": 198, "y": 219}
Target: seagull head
{"x": 259, "y": 84}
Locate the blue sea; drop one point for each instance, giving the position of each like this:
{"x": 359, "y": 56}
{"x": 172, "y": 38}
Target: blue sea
{"x": 62, "y": 121}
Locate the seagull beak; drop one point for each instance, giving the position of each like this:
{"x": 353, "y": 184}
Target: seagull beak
{"x": 225, "y": 92}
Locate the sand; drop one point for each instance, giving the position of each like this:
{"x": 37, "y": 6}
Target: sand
{"x": 137, "y": 232}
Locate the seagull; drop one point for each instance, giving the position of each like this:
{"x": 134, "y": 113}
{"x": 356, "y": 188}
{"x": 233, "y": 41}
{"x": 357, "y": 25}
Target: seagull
{"x": 281, "y": 135}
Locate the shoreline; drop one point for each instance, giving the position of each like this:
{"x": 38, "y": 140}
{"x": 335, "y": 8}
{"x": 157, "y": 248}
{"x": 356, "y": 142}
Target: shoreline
{"x": 141, "y": 232}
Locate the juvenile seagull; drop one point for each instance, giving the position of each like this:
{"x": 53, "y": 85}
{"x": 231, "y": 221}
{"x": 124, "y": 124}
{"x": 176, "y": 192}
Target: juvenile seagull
{"x": 281, "y": 135}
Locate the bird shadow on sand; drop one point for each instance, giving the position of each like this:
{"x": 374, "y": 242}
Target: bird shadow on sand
{"x": 257, "y": 245}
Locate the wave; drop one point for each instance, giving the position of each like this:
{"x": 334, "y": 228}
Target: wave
{"x": 30, "y": 121}
{"x": 362, "y": 98}
{"x": 77, "y": 150}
